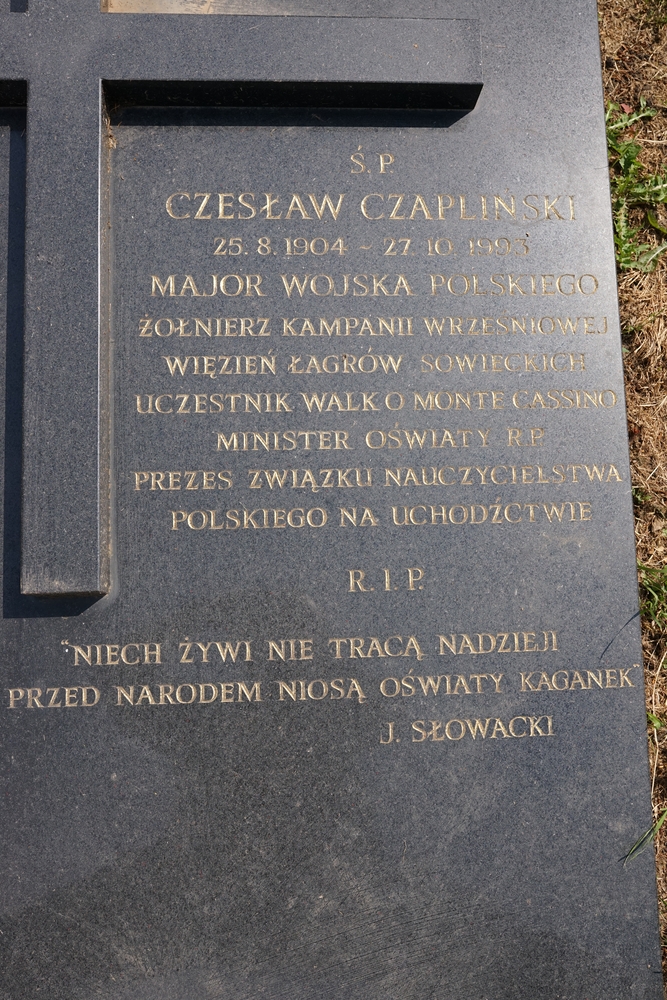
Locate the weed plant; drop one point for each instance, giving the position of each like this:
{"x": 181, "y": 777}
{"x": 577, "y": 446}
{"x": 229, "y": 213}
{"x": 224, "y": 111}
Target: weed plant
{"x": 634, "y": 190}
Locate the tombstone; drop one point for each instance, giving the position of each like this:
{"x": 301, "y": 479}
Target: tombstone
{"x": 314, "y": 397}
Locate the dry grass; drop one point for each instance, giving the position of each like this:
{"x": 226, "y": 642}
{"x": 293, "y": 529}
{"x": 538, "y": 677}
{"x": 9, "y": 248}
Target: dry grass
{"x": 634, "y": 59}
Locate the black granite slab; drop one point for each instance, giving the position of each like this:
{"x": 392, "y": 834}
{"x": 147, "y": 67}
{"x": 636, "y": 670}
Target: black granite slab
{"x": 316, "y": 398}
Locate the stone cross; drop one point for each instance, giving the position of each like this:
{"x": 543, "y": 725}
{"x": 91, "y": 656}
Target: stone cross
{"x": 70, "y": 62}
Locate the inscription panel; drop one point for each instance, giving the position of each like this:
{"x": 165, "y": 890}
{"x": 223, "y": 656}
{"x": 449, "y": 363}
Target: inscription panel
{"x": 358, "y": 361}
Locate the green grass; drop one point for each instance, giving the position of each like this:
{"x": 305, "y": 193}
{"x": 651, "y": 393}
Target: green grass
{"x": 653, "y": 720}
{"x": 657, "y": 12}
{"x": 633, "y": 187}
{"x": 653, "y": 591}
{"x": 646, "y": 838}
